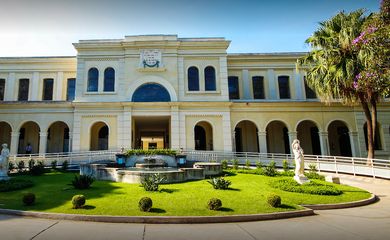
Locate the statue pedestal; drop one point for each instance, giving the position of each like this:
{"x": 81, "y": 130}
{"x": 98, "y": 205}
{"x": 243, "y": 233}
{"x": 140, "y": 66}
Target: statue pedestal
{"x": 301, "y": 179}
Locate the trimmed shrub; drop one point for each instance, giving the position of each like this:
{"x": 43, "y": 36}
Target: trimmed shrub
{"x": 224, "y": 164}
{"x": 65, "y": 166}
{"x": 151, "y": 183}
{"x": 21, "y": 166}
{"x": 313, "y": 187}
{"x": 11, "y": 166}
{"x": 145, "y": 204}
{"x": 286, "y": 166}
{"x": 78, "y": 201}
{"x": 37, "y": 169}
{"x": 14, "y": 184}
{"x": 28, "y": 199}
{"x": 312, "y": 174}
{"x": 214, "y": 204}
{"x": 259, "y": 165}
{"x": 31, "y": 164}
{"x": 274, "y": 200}
{"x": 270, "y": 170}
{"x": 235, "y": 164}
{"x": 53, "y": 164}
{"x": 220, "y": 183}
{"x": 82, "y": 181}
{"x": 247, "y": 164}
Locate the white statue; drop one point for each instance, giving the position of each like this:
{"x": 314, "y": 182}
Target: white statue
{"x": 299, "y": 162}
{"x": 4, "y": 162}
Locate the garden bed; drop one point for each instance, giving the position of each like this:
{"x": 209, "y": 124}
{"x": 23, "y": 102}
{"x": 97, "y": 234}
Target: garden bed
{"x": 247, "y": 195}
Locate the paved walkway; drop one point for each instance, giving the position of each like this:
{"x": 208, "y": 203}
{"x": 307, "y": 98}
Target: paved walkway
{"x": 368, "y": 222}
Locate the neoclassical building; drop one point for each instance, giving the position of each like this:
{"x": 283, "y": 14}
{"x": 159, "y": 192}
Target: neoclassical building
{"x": 161, "y": 91}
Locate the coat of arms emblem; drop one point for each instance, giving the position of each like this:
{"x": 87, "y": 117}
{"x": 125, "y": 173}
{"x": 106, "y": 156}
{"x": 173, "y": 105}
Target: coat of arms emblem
{"x": 151, "y": 58}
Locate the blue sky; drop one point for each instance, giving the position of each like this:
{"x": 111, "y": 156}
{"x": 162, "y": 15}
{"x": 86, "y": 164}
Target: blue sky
{"x": 48, "y": 27}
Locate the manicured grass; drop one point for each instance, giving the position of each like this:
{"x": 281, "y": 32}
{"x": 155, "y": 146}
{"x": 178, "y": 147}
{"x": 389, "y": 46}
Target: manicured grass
{"x": 247, "y": 195}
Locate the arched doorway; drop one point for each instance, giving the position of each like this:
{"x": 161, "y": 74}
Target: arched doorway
{"x": 29, "y": 135}
{"x": 246, "y": 137}
{"x": 339, "y": 141}
{"x": 308, "y": 135}
{"x": 5, "y": 133}
{"x": 151, "y": 92}
{"x": 203, "y": 133}
{"x": 277, "y": 138}
{"x": 99, "y": 136}
{"x": 58, "y": 137}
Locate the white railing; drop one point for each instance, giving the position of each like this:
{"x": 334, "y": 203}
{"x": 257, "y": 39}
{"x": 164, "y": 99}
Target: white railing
{"x": 352, "y": 165}
{"x": 337, "y": 164}
{"x": 73, "y": 158}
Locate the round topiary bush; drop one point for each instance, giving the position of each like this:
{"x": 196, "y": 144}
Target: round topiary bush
{"x": 145, "y": 204}
{"x": 78, "y": 201}
{"x": 28, "y": 199}
{"x": 274, "y": 200}
{"x": 214, "y": 204}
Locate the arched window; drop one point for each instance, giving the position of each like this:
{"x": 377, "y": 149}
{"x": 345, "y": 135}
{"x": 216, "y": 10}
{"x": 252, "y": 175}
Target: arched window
{"x": 209, "y": 79}
{"x": 93, "y": 80}
{"x": 193, "y": 79}
{"x": 151, "y": 92}
{"x": 109, "y": 80}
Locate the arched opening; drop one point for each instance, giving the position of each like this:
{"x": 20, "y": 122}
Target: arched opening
{"x": 308, "y": 135}
{"x": 99, "y": 136}
{"x": 58, "y": 138}
{"x": 203, "y": 133}
{"x": 339, "y": 142}
{"x": 5, "y": 134}
{"x": 277, "y": 138}
{"x": 151, "y": 92}
{"x": 210, "y": 79}
{"x": 193, "y": 79}
{"x": 246, "y": 137}
{"x": 93, "y": 80}
{"x": 29, "y": 138}
{"x": 109, "y": 80}
{"x": 377, "y": 140}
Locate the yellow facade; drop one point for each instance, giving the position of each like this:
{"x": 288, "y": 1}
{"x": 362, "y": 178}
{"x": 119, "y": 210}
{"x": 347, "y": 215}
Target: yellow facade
{"x": 155, "y": 100}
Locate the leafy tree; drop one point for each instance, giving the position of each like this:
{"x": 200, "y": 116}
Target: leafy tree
{"x": 349, "y": 61}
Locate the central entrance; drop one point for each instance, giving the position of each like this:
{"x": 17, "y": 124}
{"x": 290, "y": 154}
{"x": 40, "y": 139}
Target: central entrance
{"x": 151, "y": 132}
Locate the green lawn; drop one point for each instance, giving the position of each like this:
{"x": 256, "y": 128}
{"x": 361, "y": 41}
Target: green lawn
{"x": 247, "y": 196}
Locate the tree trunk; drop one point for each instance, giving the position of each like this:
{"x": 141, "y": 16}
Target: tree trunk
{"x": 370, "y": 142}
{"x": 374, "y": 125}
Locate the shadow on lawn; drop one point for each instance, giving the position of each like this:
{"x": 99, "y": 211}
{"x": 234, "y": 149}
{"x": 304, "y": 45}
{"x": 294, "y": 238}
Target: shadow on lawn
{"x": 53, "y": 190}
{"x": 157, "y": 210}
{"x": 225, "y": 209}
{"x": 167, "y": 190}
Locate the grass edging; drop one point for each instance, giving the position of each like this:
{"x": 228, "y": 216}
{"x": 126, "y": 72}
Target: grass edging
{"x": 359, "y": 203}
{"x": 162, "y": 219}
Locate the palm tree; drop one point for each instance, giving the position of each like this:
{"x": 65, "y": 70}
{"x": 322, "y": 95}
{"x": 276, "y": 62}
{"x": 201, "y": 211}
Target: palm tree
{"x": 333, "y": 65}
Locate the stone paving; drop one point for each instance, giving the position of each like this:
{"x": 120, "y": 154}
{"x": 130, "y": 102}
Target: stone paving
{"x": 368, "y": 222}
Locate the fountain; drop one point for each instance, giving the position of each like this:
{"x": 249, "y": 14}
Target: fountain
{"x": 137, "y": 167}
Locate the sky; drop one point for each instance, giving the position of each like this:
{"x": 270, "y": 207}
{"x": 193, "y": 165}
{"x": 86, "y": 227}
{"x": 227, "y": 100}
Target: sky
{"x": 49, "y": 27}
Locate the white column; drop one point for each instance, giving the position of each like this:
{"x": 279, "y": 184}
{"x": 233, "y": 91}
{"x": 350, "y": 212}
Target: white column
{"x": 223, "y": 78}
{"x": 291, "y": 137}
{"x": 262, "y": 141}
{"x": 355, "y": 147}
{"x": 42, "y": 143}
{"x": 182, "y": 131}
{"x": 80, "y": 79}
{"x": 272, "y": 84}
{"x": 59, "y": 83}
{"x": 76, "y": 143}
{"x": 246, "y": 84}
{"x": 127, "y": 128}
{"x": 34, "y": 88}
{"x": 70, "y": 141}
{"x": 14, "y": 143}
{"x": 298, "y": 85}
{"x": 227, "y": 132}
{"x": 10, "y": 85}
{"x": 324, "y": 143}
{"x": 234, "y": 148}
{"x": 181, "y": 78}
{"x": 175, "y": 128}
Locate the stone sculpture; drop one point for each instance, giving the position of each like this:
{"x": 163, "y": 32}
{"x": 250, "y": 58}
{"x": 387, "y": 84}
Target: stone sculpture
{"x": 299, "y": 162}
{"x": 4, "y": 162}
